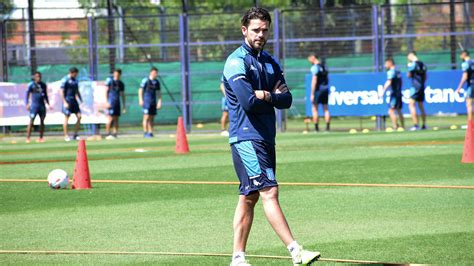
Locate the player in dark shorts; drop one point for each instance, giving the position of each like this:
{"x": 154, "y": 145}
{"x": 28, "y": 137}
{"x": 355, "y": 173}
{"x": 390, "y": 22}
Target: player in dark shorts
{"x": 417, "y": 73}
{"x": 224, "y": 109}
{"x": 71, "y": 97}
{"x": 36, "y": 101}
{"x": 394, "y": 85}
{"x": 319, "y": 91}
{"x": 149, "y": 98}
{"x": 115, "y": 91}
{"x": 468, "y": 78}
{"x": 254, "y": 87}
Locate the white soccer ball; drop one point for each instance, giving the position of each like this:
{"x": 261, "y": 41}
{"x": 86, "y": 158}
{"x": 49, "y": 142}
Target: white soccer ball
{"x": 58, "y": 179}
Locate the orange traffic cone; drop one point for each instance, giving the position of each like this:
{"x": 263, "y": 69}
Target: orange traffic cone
{"x": 468, "y": 153}
{"x": 82, "y": 178}
{"x": 181, "y": 139}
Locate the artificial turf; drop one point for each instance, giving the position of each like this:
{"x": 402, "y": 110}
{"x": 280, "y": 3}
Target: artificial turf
{"x": 404, "y": 225}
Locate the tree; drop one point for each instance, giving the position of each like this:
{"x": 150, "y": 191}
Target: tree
{"x": 6, "y": 6}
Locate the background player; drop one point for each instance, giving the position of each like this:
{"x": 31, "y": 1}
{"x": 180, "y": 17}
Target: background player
{"x": 467, "y": 77}
{"x": 115, "y": 91}
{"x": 148, "y": 93}
{"x": 319, "y": 90}
{"x": 252, "y": 100}
{"x": 36, "y": 98}
{"x": 70, "y": 96}
{"x": 394, "y": 83}
{"x": 224, "y": 109}
{"x": 417, "y": 73}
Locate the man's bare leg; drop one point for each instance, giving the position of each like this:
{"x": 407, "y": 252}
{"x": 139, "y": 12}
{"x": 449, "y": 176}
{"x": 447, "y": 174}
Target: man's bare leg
{"x": 469, "y": 109}
{"x": 276, "y": 218}
{"x": 224, "y": 116}
{"x": 413, "y": 114}
{"x": 145, "y": 123}
{"x": 108, "y": 125}
{"x": 78, "y": 123}
{"x": 243, "y": 219}
{"x": 423, "y": 113}
{"x": 400, "y": 116}
{"x": 28, "y": 130}
{"x": 151, "y": 121}
{"x": 274, "y": 214}
{"x": 327, "y": 116}
{"x": 66, "y": 120}
{"x": 315, "y": 117}
{"x": 393, "y": 117}
{"x": 115, "y": 125}
{"x": 41, "y": 130}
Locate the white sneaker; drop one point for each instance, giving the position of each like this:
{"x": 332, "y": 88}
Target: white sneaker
{"x": 109, "y": 137}
{"x": 240, "y": 263}
{"x": 305, "y": 257}
{"x": 225, "y": 133}
{"x": 67, "y": 139}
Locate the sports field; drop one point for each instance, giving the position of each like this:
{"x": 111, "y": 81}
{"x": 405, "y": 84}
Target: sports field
{"x": 381, "y": 223}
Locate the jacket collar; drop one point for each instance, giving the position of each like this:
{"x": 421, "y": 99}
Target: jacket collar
{"x": 251, "y": 50}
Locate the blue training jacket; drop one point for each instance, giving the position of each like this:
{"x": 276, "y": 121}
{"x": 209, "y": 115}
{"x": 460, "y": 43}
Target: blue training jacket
{"x": 245, "y": 71}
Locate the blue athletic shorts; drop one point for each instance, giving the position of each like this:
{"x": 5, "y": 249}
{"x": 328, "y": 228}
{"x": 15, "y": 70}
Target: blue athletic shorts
{"x": 321, "y": 96}
{"x": 395, "y": 102}
{"x": 149, "y": 109}
{"x": 254, "y": 163}
{"x": 470, "y": 92}
{"x": 37, "y": 111}
{"x": 114, "y": 110}
{"x": 73, "y": 107}
{"x": 417, "y": 95}
{"x": 224, "y": 106}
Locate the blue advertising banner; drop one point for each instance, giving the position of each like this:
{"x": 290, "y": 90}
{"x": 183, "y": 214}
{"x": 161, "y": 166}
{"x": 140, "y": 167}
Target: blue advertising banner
{"x": 357, "y": 94}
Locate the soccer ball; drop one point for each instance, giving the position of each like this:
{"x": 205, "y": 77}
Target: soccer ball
{"x": 58, "y": 179}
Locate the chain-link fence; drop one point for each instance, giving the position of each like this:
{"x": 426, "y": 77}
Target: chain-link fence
{"x": 190, "y": 50}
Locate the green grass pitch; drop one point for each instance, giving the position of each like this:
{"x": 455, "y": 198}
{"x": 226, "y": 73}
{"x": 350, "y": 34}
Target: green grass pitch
{"x": 409, "y": 225}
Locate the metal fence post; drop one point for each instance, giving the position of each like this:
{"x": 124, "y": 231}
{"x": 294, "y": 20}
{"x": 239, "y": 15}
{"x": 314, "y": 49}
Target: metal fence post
{"x": 121, "y": 38}
{"x": 375, "y": 35}
{"x": 410, "y": 26}
{"x": 382, "y": 35}
{"x": 467, "y": 20}
{"x": 92, "y": 53}
{"x": 185, "y": 84}
{"x": 380, "y": 120}
{"x": 276, "y": 53}
{"x": 32, "y": 38}
{"x": 452, "y": 28}
{"x": 3, "y": 52}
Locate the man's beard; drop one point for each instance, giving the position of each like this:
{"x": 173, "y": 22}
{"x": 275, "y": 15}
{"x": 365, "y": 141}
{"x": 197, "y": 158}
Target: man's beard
{"x": 256, "y": 47}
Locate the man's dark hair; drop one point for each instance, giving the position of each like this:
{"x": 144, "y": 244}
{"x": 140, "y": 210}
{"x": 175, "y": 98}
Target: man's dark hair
{"x": 412, "y": 52}
{"x": 73, "y": 70}
{"x": 390, "y": 59}
{"x": 153, "y": 69}
{"x": 256, "y": 13}
{"x": 466, "y": 52}
{"x": 37, "y": 73}
{"x": 118, "y": 70}
{"x": 313, "y": 54}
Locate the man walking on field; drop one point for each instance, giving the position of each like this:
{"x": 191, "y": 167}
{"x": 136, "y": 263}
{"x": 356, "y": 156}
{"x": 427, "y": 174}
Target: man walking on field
{"x": 394, "y": 84}
{"x": 254, "y": 86}
{"x": 467, "y": 77}
{"x": 115, "y": 91}
{"x": 71, "y": 97}
{"x": 319, "y": 91}
{"x": 417, "y": 73}
{"x": 149, "y": 98}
